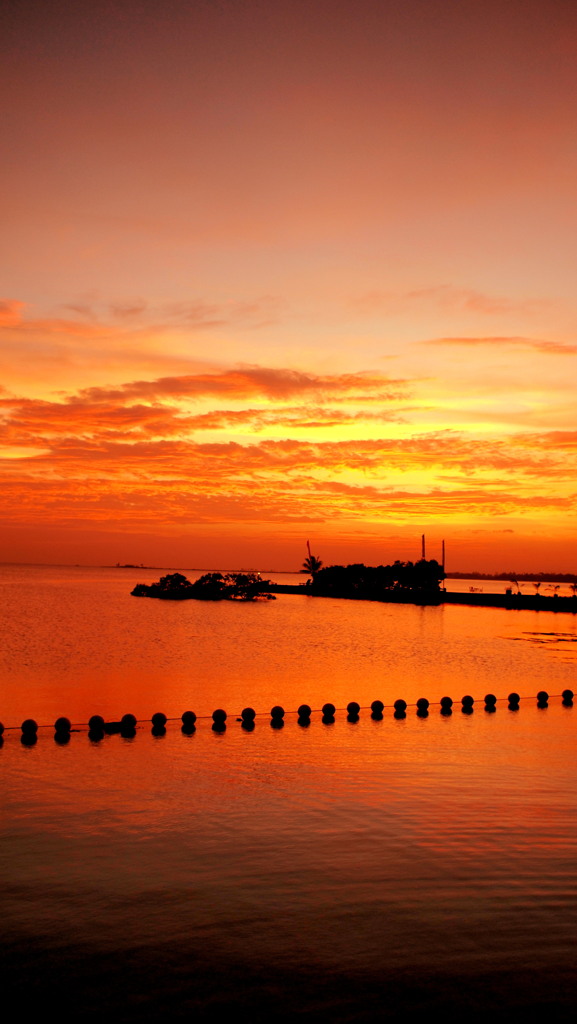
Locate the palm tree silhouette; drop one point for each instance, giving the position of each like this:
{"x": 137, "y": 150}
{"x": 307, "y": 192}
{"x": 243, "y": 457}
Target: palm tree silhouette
{"x": 311, "y": 563}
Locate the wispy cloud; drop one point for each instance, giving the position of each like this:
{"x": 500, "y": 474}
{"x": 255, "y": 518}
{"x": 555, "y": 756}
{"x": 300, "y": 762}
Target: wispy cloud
{"x": 10, "y": 312}
{"x": 445, "y": 298}
{"x": 554, "y": 348}
{"x": 130, "y": 313}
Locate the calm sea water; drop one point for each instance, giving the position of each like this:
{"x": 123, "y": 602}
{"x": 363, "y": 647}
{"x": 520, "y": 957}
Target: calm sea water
{"x": 348, "y": 872}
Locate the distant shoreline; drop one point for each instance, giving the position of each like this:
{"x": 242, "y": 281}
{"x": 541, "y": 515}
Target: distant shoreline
{"x": 521, "y": 577}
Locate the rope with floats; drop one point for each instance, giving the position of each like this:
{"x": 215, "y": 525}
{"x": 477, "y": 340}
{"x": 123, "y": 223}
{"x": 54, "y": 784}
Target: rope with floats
{"x": 98, "y": 727}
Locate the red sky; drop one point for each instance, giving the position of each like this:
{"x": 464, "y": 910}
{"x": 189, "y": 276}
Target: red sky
{"x": 290, "y": 271}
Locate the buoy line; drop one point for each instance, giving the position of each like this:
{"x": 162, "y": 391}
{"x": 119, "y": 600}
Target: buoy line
{"x": 98, "y": 727}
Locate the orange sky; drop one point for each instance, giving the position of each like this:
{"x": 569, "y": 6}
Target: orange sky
{"x": 283, "y": 271}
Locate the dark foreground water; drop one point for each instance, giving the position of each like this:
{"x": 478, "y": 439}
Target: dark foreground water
{"x": 377, "y": 870}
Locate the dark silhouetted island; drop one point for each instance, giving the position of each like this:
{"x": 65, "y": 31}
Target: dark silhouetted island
{"x": 410, "y": 580}
{"x": 213, "y": 586}
{"x": 415, "y": 583}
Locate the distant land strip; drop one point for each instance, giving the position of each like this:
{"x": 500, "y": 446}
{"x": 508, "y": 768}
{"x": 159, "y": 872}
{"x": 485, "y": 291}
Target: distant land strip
{"x": 524, "y": 577}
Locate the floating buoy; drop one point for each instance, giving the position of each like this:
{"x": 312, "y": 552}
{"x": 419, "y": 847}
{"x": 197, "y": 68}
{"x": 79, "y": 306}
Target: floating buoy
{"x": 542, "y": 699}
{"x": 328, "y": 710}
{"x": 62, "y": 727}
{"x": 304, "y": 712}
{"x": 353, "y": 709}
{"x": 219, "y": 720}
{"x": 490, "y": 701}
{"x": 567, "y": 696}
{"x": 1, "y": 728}
{"x": 128, "y": 726}
{"x": 277, "y": 712}
{"x": 29, "y": 727}
{"x": 96, "y": 726}
{"x": 248, "y": 715}
{"x": 400, "y": 709}
{"x": 467, "y": 701}
{"x": 188, "y": 720}
{"x": 158, "y": 720}
{"x": 446, "y": 705}
{"x": 422, "y": 708}
{"x": 377, "y": 708}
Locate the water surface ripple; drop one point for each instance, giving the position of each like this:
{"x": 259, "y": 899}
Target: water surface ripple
{"x": 347, "y": 872}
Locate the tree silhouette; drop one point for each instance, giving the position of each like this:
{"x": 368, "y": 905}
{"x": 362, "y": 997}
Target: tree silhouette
{"x": 311, "y": 563}
{"x": 213, "y": 586}
{"x": 372, "y": 582}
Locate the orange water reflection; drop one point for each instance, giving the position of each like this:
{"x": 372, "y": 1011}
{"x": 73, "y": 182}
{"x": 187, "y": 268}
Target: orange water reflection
{"x": 441, "y": 848}
{"x": 81, "y": 645}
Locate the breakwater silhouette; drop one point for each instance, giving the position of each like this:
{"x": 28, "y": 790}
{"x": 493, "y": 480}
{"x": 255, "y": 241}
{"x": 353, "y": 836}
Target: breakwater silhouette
{"x": 524, "y": 602}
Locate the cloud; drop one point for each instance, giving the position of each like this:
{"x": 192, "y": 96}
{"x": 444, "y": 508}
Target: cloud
{"x": 483, "y": 531}
{"x": 474, "y": 301}
{"x": 10, "y": 312}
{"x": 446, "y": 298}
{"x": 139, "y": 453}
{"x": 130, "y": 434}
{"x": 258, "y": 313}
{"x": 256, "y": 381}
{"x": 564, "y": 440}
{"x": 111, "y": 316}
{"x": 555, "y": 348}
{"x": 166, "y": 500}
{"x": 127, "y": 310}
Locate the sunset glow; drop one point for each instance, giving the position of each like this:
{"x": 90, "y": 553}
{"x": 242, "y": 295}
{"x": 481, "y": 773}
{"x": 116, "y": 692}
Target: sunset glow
{"x": 278, "y": 272}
